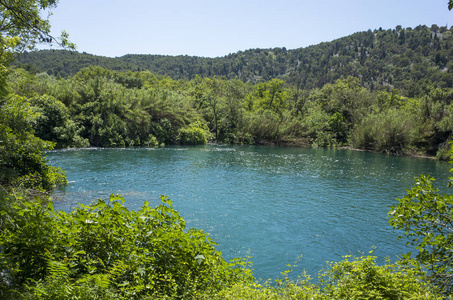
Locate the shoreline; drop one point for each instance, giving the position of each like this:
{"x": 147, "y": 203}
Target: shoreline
{"x": 303, "y": 143}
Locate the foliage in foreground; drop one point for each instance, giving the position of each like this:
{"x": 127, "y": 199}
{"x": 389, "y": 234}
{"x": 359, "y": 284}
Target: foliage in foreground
{"x": 354, "y": 279}
{"x": 105, "y": 251}
{"x": 109, "y": 250}
{"x": 426, "y": 217}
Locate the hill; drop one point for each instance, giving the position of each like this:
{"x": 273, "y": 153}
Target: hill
{"x": 402, "y": 58}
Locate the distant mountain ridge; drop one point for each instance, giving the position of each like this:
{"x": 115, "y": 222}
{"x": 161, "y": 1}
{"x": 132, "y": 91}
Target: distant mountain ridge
{"x": 402, "y": 58}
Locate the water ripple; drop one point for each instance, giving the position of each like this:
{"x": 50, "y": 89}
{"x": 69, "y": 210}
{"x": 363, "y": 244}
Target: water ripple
{"x": 279, "y": 203}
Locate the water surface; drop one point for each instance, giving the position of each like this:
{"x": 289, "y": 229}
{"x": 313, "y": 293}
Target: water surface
{"x": 276, "y": 203}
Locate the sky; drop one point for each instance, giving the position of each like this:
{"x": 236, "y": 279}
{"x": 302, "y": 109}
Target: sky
{"x": 217, "y": 28}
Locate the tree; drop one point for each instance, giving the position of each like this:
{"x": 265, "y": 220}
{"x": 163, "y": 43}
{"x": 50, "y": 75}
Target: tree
{"x": 21, "y": 160}
{"x": 426, "y": 217}
{"x": 208, "y": 95}
{"x": 54, "y": 123}
{"x": 22, "y": 19}
{"x": 271, "y": 95}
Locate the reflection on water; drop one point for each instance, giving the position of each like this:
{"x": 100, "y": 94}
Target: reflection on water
{"x": 277, "y": 203}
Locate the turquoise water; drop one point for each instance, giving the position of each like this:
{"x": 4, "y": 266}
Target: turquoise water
{"x": 274, "y": 203}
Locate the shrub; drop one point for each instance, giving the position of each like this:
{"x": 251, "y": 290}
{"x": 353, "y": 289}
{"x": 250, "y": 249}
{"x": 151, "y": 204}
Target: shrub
{"x": 105, "y": 246}
{"x": 353, "y": 279}
{"x": 53, "y": 123}
{"x": 391, "y": 131}
{"x": 262, "y": 124}
{"x": 191, "y": 136}
{"x": 152, "y": 141}
{"x": 360, "y": 278}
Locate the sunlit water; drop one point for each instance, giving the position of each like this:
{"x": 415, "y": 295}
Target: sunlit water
{"x": 275, "y": 203}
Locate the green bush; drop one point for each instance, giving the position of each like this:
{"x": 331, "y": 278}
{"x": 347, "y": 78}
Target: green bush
{"x": 353, "y": 279}
{"x": 192, "y": 136}
{"x": 163, "y": 131}
{"x": 316, "y": 124}
{"x": 262, "y": 125}
{"x": 443, "y": 153}
{"x": 108, "y": 248}
{"x": 391, "y": 131}
{"x": 152, "y": 141}
{"x": 360, "y": 278}
{"x": 54, "y": 123}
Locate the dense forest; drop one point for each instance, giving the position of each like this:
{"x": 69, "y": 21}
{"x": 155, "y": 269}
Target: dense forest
{"x": 104, "y": 108}
{"x": 403, "y": 58}
{"x": 382, "y": 90}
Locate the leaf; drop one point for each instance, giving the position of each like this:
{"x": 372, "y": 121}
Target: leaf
{"x": 141, "y": 271}
{"x": 199, "y": 258}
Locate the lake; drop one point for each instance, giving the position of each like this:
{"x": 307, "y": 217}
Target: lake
{"x": 274, "y": 203}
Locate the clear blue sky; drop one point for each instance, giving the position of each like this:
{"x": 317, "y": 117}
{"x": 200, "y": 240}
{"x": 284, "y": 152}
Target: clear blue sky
{"x": 216, "y": 28}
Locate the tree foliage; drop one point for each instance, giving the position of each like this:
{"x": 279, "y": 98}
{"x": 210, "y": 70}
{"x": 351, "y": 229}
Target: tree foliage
{"x": 426, "y": 218}
{"x": 21, "y": 160}
{"x": 383, "y": 90}
{"x": 103, "y": 111}
{"x": 403, "y": 58}
{"x": 22, "y": 19}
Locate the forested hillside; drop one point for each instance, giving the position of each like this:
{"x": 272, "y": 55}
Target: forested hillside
{"x": 407, "y": 59}
{"x": 104, "y": 108}
{"x": 383, "y": 90}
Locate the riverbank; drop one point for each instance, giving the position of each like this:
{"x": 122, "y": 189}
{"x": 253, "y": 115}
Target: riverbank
{"x": 304, "y": 143}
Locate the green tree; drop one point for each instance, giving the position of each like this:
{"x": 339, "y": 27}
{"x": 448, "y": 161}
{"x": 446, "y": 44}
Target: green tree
{"x": 271, "y": 96}
{"x": 23, "y": 19}
{"x": 54, "y": 123}
{"x": 426, "y": 218}
{"x": 235, "y": 91}
{"x": 197, "y": 133}
{"x": 209, "y": 95}
{"x": 21, "y": 160}
{"x": 317, "y": 127}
